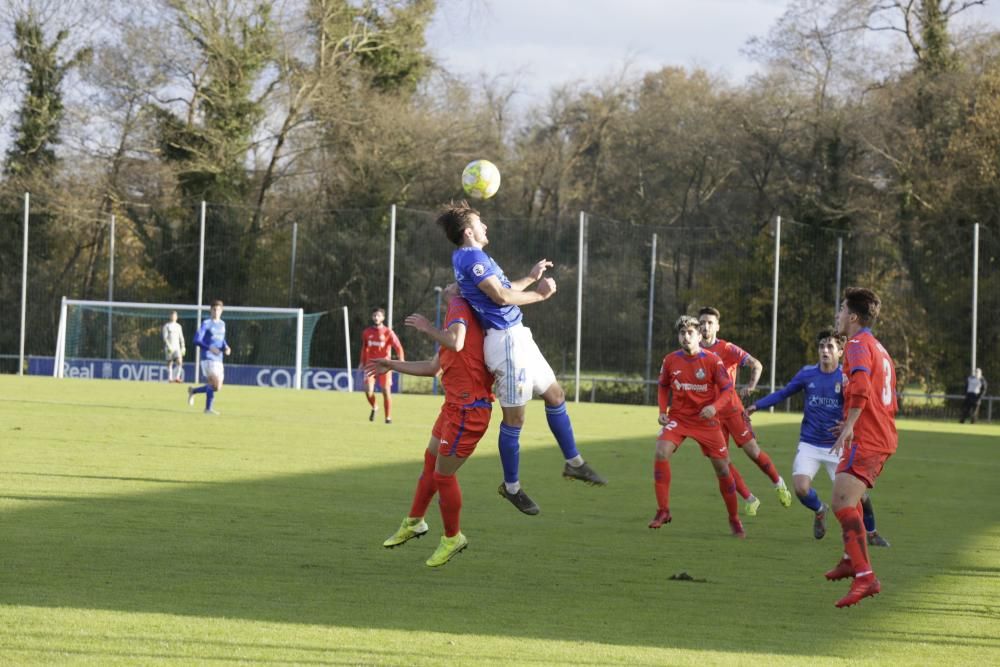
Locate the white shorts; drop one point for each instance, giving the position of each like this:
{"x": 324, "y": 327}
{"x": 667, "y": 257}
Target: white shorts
{"x": 518, "y": 367}
{"x": 210, "y": 368}
{"x": 173, "y": 355}
{"x": 808, "y": 459}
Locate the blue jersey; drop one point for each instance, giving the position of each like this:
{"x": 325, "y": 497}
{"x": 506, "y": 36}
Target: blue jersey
{"x": 211, "y": 334}
{"x": 824, "y": 403}
{"x": 472, "y": 266}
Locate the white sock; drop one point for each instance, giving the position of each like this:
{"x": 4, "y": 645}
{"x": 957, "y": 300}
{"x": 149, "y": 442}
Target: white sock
{"x": 512, "y": 487}
{"x": 575, "y": 462}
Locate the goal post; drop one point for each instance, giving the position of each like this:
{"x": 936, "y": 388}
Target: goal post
{"x": 132, "y": 331}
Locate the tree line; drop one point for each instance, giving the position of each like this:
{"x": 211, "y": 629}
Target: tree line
{"x": 326, "y": 112}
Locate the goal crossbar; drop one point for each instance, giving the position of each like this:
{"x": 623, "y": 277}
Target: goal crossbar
{"x": 60, "y": 353}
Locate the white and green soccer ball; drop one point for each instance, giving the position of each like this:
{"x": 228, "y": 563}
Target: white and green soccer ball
{"x": 481, "y": 179}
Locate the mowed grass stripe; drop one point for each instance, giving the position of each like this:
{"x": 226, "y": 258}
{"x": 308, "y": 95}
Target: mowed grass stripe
{"x": 133, "y": 534}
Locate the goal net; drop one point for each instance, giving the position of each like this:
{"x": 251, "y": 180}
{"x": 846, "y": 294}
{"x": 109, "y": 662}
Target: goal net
{"x": 112, "y": 331}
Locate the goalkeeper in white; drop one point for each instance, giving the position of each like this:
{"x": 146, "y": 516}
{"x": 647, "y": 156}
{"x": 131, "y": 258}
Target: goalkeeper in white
{"x": 173, "y": 349}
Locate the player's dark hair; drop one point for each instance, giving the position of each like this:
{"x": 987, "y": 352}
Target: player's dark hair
{"x": 217, "y": 302}
{"x": 708, "y": 310}
{"x": 864, "y": 303}
{"x": 455, "y": 218}
{"x": 378, "y": 310}
{"x": 685, "y": 322}
{"x": 830, "y": 333}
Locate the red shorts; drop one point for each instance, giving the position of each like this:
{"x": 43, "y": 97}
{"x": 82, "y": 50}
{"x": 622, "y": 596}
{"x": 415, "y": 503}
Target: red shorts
{"x": 737, "y": 425}
{"x": 382, "y": 380}
{"x": 459, "y": 428}
{"x": 707, "y": 435}
{"x": 863, "y": 464}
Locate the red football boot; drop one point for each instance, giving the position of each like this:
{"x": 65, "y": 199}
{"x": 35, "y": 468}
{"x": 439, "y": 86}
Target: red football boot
{"x": 737, "y": 527}
{"x": 662, "y": 517}
{"x": 862, "y": 588}
{"x": 843, "y": 570}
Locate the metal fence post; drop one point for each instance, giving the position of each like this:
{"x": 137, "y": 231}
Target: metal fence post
{"x": 774, "y": 306}
{"x": 392, "y": 262}
{"x": 580, "y": 259}
{"x": 649, "y": 322}
{"x": 24, "y": 286}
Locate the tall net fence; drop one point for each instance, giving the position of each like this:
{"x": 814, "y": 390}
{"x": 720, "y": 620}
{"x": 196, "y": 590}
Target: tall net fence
{"x": 634, "y": 281}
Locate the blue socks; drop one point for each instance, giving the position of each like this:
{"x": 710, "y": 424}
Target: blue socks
{"x": 811, "y": 500}
{"x": 510, "y": 452}
{"x": 209, "y": 394}
{"x": 868, "y": 514}
{"x": 562, "y": 429}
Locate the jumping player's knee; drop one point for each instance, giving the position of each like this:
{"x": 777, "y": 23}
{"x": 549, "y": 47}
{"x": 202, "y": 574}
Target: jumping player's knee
{"x": 554, "y": 395}
{"x": 514, "y": 416}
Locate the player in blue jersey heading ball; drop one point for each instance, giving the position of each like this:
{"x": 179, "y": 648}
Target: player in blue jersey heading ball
{"x": 518, "y": 367}
{"x": 823, "y": 384}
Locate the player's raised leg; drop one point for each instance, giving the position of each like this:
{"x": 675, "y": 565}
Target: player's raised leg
{"x": 562, "y": 429}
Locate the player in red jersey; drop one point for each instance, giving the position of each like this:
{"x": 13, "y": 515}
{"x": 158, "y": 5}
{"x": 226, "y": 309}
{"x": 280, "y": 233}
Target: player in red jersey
{"x": 694, "y": 386}
{"x": 734, "y": 418}
{"x": 463, "y": 420}
{"x": 377, "y": 342}
{"x": 868, "y": 436}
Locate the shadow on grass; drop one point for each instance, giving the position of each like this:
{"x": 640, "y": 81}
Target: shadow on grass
{"x": 306, "y": 549}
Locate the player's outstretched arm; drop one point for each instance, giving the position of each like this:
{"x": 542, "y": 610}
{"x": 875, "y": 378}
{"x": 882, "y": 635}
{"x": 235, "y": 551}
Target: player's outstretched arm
{"x": 427, "y": 368}
{"x": 756, "y": 368}
{"x": 503, "y": 296}
{"x": 790, "y": 389}
{"x": 536, "y": 273}
{"x": 452, "y": 338}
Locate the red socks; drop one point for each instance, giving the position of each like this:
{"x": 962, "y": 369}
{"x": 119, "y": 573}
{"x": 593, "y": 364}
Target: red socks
{"x": 727, "y": 487}
{"x": 741, "y": 486}
{"x": 661, "y": 483}
{"x": 450, "y": 497}
{"x": 371, "y": 400}
{"x": 764, "y": 463}
{"x": 426, "y": 486}
{"x": 855, "y": 540}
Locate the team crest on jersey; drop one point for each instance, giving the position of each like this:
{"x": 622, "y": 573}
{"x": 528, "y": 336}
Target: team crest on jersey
{"x": 836, "y": 388}
{"x": 700, "y": 374}
{"x": 478, "y": 269}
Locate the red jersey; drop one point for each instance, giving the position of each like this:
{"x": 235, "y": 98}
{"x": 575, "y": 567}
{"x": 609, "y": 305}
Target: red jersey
{"x": 464, "y": 376}
{"x": 870, "y": 384}
{"x": 733, "y": 356}
{"x": 376, "y": 343}
{"x": 689, "y": 383}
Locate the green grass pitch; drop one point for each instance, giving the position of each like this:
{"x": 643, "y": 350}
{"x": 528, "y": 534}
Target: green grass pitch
{"x": 135, "y": 530}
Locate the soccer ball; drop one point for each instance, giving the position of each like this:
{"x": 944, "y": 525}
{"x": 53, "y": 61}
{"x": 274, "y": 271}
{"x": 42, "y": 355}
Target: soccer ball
{"x": 481, "y": 179}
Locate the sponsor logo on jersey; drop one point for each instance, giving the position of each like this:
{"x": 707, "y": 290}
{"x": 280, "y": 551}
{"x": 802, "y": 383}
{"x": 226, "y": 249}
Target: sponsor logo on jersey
{"x": 689, "y": 386}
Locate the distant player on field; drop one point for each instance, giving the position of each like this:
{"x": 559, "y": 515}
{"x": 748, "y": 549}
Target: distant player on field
{"x": 868, "y": 436}
{"x": 173, "y": 348}
{"x": 694, "y": 387}
{"x": 377, "y": 342}
{"x": 211, "y": 338}
{"x": 734, "y": 419}
{"x": 510, "y": 351}
{"x": 463, "y": 420}
{"x": 823, "y": 409}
